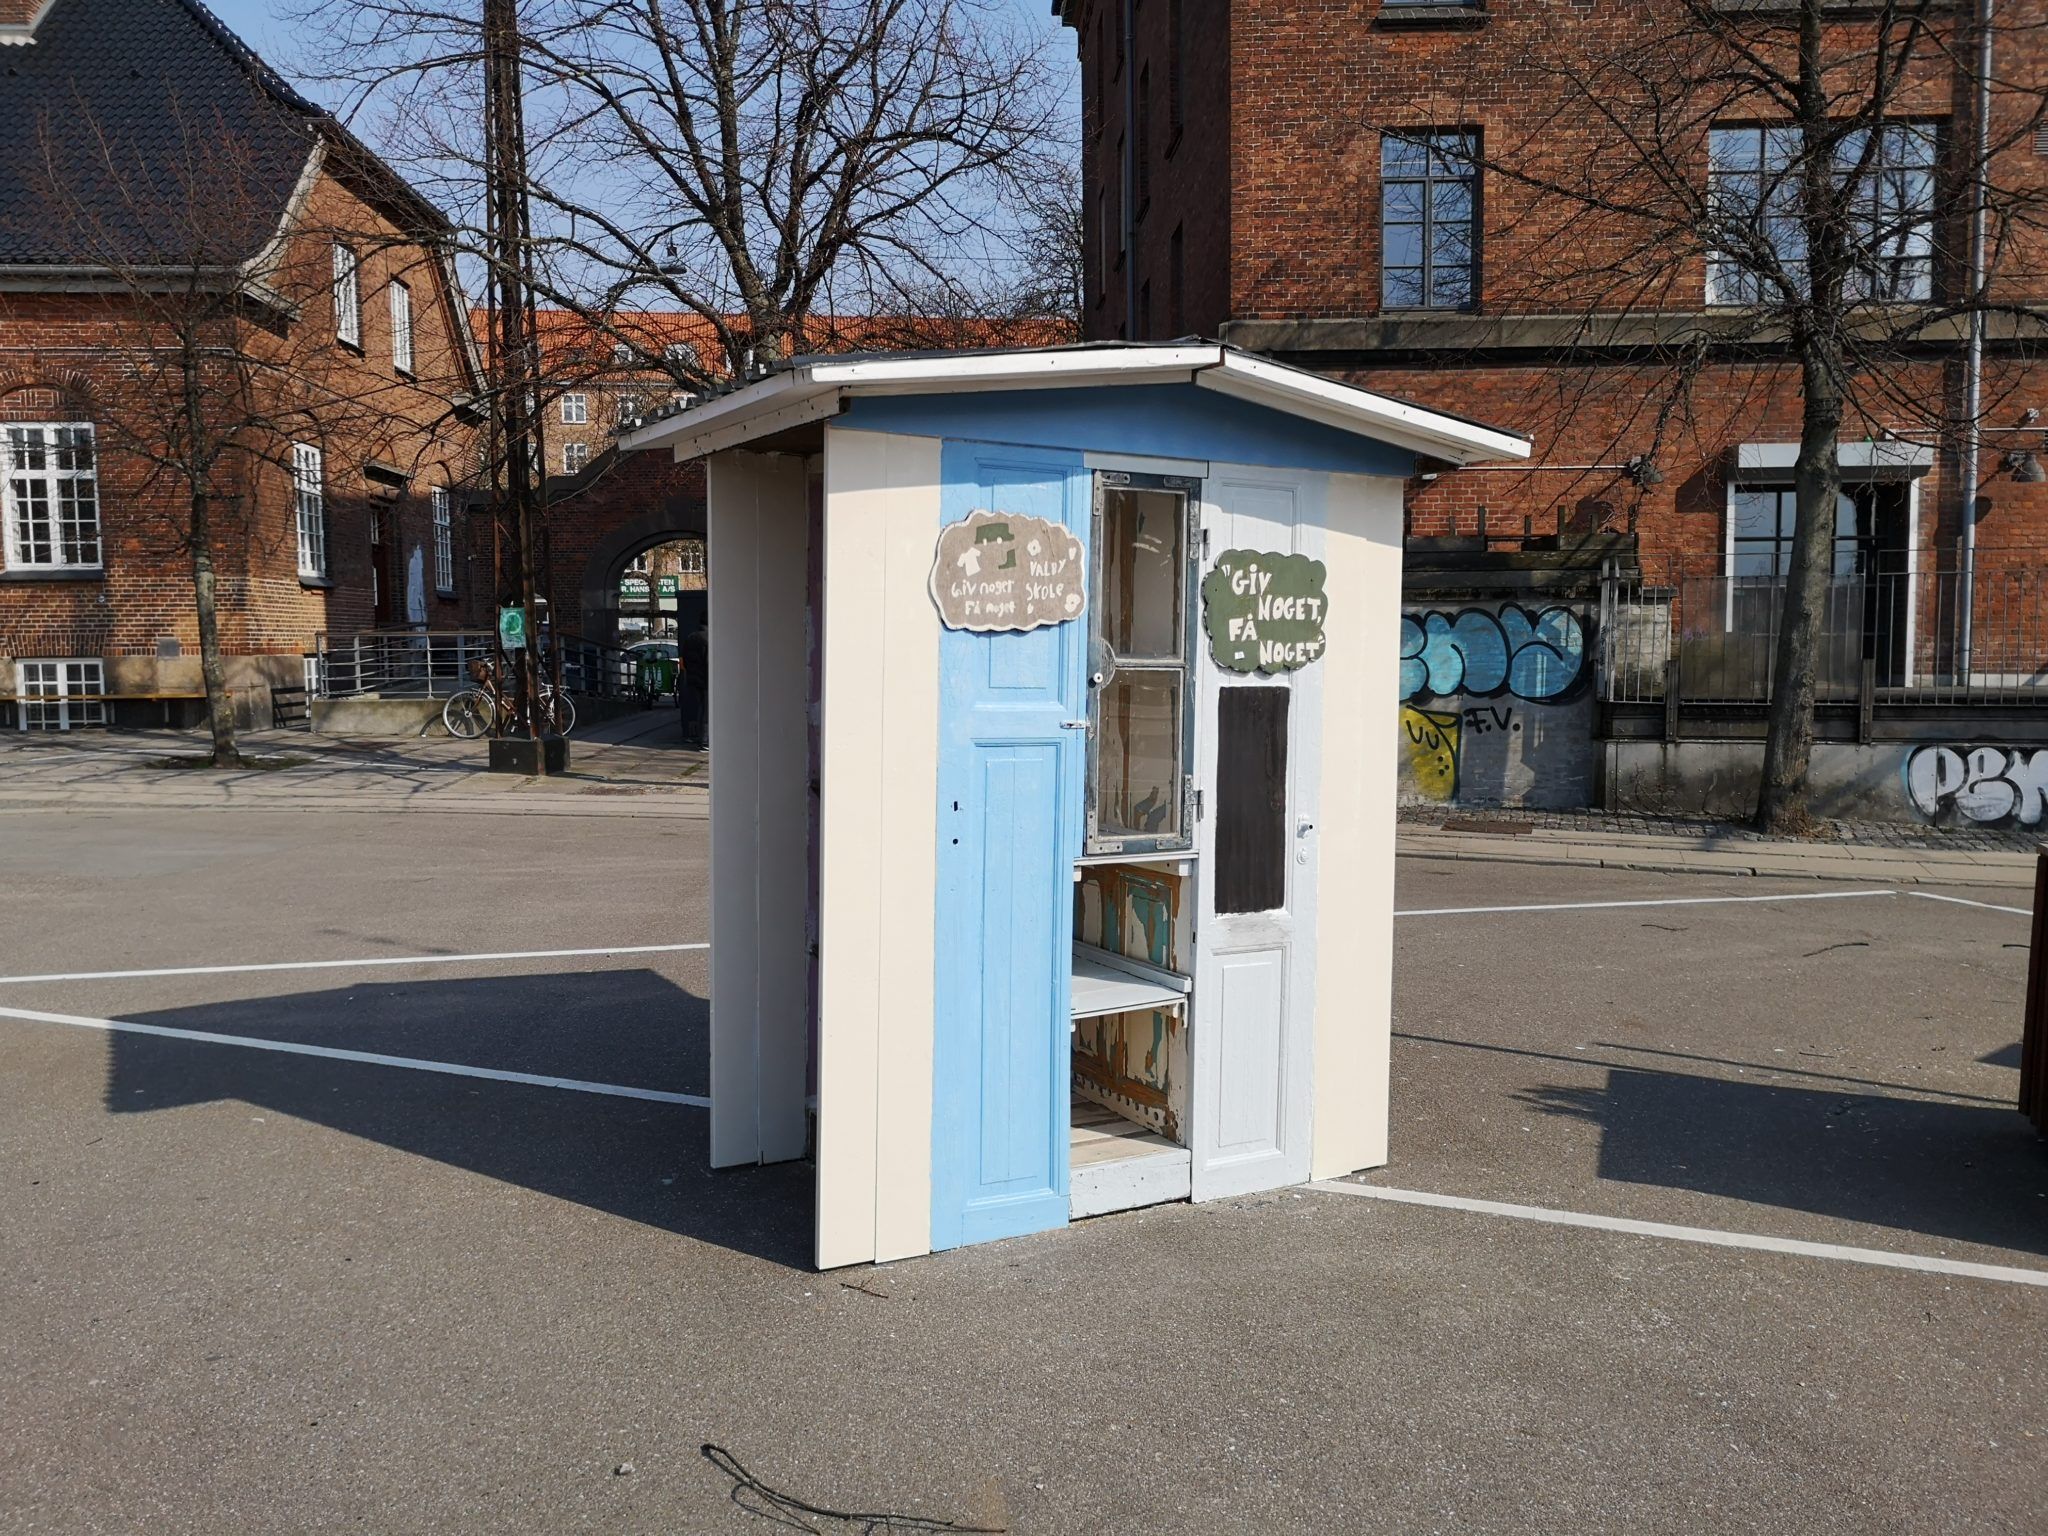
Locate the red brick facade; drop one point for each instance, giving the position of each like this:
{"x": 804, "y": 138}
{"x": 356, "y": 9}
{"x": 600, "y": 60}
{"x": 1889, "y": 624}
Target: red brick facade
{"x": 388, "y": 436}
{"x": 1264, "y": 197}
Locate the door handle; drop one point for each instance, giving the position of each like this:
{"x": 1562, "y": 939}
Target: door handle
{"x": 1073, "y": 725}
{"x": 1303, "y": 827}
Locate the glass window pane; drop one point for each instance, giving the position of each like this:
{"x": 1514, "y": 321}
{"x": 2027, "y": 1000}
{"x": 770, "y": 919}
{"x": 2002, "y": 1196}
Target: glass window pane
{"x": 1144, "y": 561}
{"x": 1450, "y": 287}
{"x": 1138, "y": 771}
{"x": 1402, "y": 287}
{"x": 1403, "y": 245}
{"x": 1756, "y": 560}
{"x": 1450, "y": 201}
{"x": 1756, "y": 513}
{"x": 1401, "y": 202}
{"x": 1402, "y": 156}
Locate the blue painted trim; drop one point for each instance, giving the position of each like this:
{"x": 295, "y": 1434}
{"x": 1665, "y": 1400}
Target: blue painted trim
{"x": 1009, "y": 830}
{"x": 1172, "y": 421}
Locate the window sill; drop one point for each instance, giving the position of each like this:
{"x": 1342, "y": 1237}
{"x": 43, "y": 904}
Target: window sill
{"x": 446, "y": 594}
{"x": 1444, "y": 15}
{"x": 354, "y": 348}
{"x": 319, "y": 583}
{"x": 31, "y": 573}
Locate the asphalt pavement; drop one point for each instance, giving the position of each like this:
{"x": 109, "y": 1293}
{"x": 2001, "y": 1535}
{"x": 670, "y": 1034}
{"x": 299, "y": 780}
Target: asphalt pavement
{"x": 474, "y": 1275}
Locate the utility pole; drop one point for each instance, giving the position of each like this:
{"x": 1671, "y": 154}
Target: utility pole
{"x": 513, "y": 347}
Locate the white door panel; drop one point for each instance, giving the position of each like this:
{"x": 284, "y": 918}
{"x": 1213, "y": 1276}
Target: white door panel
{"x": 1254, "y": 1003}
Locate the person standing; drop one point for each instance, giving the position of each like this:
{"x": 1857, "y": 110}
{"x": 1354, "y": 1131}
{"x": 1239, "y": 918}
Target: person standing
{"x": 693, "y": 684}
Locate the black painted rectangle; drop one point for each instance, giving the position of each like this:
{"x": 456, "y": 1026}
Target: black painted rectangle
{"x": 1251, "y": 799}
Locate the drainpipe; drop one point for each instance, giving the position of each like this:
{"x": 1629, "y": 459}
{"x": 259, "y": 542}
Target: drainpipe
{"x": 1129, "y": 50}
{"x": 1973, "y": 362}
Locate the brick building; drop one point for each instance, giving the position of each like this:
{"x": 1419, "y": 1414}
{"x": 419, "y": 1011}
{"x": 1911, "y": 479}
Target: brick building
{"x": 161, "y": 189}
{"x": 1288, "y": 177}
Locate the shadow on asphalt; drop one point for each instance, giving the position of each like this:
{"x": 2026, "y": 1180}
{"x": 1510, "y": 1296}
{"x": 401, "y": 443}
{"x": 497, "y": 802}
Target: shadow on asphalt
{"x": 1967, "y": 1172}
{"x": 642, "y": 1160}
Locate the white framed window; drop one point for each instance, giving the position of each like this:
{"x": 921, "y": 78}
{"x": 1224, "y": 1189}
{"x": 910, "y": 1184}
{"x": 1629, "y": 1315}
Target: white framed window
{"x": 623, "y": 354}
{"x": 681, "y": 354}
{"x": 59, "y": 695}
{"x": 629, "y": 408}
{"x": 574, "y": 457}
{"x": 309, "y": 508}
{"x": 444, "y": 539}
{"x": 51, "y": 496}
{"x": 348, "y": 296}
{"x": 575, "y": 410}
{"x": 401, "y": 327}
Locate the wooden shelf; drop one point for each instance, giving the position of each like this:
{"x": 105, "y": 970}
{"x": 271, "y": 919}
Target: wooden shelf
{"x": 1111, "y": 983}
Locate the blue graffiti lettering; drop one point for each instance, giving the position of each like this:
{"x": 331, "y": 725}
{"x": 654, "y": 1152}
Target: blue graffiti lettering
{"x": 1536, "y": 656}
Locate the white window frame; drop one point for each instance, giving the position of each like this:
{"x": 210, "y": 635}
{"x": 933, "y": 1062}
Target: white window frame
{"x": 401, "y": 326}
{"x": 574, "y": 456}
{"x": 47, "y": 686}
{"x": 575, "y": 409}
{"x": 348, "y": 297}
{"x": 68, "y": 495}
{"x": 309, "y": 509}
{"x": 682, "y": 354}
{"x": 444, "y": 540}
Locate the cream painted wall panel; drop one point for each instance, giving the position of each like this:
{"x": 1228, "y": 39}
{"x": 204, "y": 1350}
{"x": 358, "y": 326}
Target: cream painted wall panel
{"x": 877, "y": 872}
{"x": 1355, "y": 985}
{"x": 758, "y": 820}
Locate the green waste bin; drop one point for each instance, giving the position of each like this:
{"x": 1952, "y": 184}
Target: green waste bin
{"x": 656, "y": 675}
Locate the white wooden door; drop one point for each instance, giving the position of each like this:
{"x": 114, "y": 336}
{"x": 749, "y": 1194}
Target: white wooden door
{"x": 1258, "y": 755}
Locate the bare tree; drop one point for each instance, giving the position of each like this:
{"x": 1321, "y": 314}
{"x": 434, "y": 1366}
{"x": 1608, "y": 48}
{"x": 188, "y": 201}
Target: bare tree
{"x": 758, "y": 163}
{"x": 204, "y": 370}
{"x": 1783, "y": 157}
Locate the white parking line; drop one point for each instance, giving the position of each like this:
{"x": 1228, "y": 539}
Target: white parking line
{"x": 343, "y": 965}
{"x": 1713, "y": 1236}
{"x": 367, "y": 1058}
{"x": 1964, "y": 901}
{"x": 1668, "y": 901}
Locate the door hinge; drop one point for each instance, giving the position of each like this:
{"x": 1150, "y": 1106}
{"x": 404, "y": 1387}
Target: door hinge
{"x": 1195, "y": 799}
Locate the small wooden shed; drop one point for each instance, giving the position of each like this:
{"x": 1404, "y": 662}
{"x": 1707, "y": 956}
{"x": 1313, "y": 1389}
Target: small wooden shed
{"x": 1052, "y": 807}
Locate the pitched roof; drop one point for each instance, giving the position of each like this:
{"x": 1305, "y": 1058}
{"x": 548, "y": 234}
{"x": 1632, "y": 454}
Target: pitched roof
{"x": 145, "y": 133}
{"x": 812, "y": 388}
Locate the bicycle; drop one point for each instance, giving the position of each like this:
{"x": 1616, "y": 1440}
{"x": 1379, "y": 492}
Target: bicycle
{"x": 474, "y": 712}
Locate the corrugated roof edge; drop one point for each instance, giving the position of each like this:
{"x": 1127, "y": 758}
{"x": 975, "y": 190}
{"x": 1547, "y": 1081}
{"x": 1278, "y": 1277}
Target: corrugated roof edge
{"x": 1191, "y": 354}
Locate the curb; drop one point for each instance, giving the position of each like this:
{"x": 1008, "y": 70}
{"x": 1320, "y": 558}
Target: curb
{"x": 1900, "y": 872}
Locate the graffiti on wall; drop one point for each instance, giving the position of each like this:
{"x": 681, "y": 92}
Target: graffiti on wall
{"x": 1494, "y": 705}
{"x": 1981, "y": 784}
{"x": 1487, "y": 653}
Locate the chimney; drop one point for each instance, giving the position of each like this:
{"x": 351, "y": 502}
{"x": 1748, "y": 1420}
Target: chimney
{"x": 19, "y": 17}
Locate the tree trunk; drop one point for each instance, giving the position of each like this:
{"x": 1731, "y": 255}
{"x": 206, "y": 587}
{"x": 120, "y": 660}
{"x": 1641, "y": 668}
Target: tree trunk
{"x": 220, "y": 710}
{"x": 1788, "y": 746}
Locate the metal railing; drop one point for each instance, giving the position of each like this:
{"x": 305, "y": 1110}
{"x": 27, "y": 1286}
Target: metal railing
{"x": 1904, "y": 630}
{"x": 403, "y": 663}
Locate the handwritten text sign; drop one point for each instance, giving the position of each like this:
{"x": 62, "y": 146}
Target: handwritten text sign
{"x": 1004, "y": 571}
{"x": 1264, "y": 612}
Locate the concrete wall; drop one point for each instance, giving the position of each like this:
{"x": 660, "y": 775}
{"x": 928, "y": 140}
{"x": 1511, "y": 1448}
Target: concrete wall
{"x": 1962, "y": 785}
{"x": 1496, "y": 706}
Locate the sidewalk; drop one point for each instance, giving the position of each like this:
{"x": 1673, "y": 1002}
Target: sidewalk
{"x": 633, "y": 766}
{"x": 1888, "y": 855}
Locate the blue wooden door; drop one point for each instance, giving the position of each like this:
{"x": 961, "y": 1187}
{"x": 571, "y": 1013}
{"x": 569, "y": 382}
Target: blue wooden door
{"x": 1010, "y": 781}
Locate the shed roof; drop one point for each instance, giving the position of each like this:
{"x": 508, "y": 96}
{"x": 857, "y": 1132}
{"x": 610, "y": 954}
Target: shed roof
{"x": 812, "y": 389}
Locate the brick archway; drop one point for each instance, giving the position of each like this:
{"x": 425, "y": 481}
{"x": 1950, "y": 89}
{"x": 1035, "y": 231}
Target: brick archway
{"x": 644, "y": 500}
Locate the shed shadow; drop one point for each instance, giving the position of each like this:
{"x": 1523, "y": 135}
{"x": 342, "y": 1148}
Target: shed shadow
{"x": 639, "y": 1159}
{"x": 1966, "y": 1172}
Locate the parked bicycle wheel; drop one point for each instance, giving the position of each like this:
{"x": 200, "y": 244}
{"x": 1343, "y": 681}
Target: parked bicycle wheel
{"x": 467, "y": 714}
{"x": 561, "y": 712}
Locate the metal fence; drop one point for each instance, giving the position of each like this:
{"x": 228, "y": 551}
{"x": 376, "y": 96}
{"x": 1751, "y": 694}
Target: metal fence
{"x": 1905, "y": 630}
{"x": 435, "y": 663}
